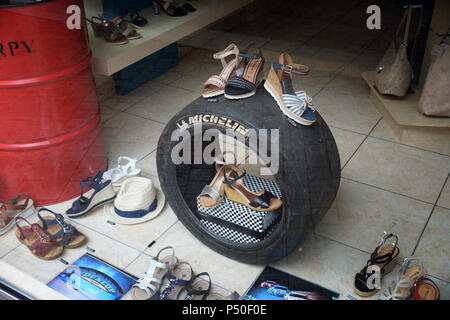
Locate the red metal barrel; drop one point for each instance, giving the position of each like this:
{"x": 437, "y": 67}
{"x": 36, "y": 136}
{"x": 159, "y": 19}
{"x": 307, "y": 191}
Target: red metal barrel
{"x": 50, "y": 131}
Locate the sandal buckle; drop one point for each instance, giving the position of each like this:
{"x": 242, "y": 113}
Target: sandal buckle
{"x": 289, "y": 67}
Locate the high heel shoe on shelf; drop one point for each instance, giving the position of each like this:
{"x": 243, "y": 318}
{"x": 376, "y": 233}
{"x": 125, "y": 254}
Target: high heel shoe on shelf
{"x": 103, "y": 193}
{"x": 120, "y": 26}
{"x": 296, "y": 105}
{"x": 104, "y": 29}
{"x": 402, "y": 288}
{"x": 212, "y": 194}
{"x": 215, "y": 85}
{"x": 248, "y": 77}
{"x": 171, "y": 8}
{"x": 383, "y": 257}
{"x": 236, "y": 191}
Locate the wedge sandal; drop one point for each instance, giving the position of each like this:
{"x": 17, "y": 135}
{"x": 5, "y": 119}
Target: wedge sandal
{"x": 148, "y": 286}
{"x": 236, "y": 191}
{"x": 383, "y": 257}
{"x": 245, "y": 84}
{"x": 61, "y": 232}
{"x": 37, "y": 240}
{"x": 296, "y": 105}
{"x": 20, "y": 206}
{"x": 105, "y": 29}
{"x": 103, "y": 193}
{"x": 212, "y": 194}
{"x": 402, "y": 288}
{"x": 215, "y": 85}
{"x": 198, "y": 288}
{"x": 178, "y": 277}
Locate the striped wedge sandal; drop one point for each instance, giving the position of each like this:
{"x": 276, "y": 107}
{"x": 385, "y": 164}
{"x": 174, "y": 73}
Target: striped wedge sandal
{"x": 403, "y": 287}
{"x": 103, "y": 193}
{"x": 215, "y": 85}
{"x": 296, "y": 105}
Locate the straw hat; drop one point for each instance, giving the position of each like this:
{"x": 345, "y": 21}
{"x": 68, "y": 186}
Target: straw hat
{"x": 137, "y": 201}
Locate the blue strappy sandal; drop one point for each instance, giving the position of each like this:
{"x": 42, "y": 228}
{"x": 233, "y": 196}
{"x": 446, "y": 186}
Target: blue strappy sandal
{"x": 103, "y": 193}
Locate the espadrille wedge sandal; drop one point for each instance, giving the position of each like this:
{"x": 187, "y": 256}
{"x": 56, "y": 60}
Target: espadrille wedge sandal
{"x": 212, "y": 194}
{"x": 248, "y": 78}
{"x": 296, "y": 105}
{"x": 383, "y": 257}
{"x": 236, "y": 191}
{"x": 215, "y": 85}
{"x": 103, "y": 193}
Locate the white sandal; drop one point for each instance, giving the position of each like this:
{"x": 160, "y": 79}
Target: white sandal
{"x": 215, "y": 85}
{"x": 146, "y": 287}
{"x": 401, "y": 289}
{"x": 126, "y": 167}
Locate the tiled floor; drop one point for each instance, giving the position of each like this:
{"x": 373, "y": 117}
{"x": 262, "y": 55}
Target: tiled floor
{"x": 386, "y": 184}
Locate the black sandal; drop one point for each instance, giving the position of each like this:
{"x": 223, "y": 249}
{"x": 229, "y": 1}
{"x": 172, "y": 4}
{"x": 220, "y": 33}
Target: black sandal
{"x": 62, "y": 233}
{"x": 172, "y": 9}
{"x": 198, "y": 288}
{"x": 132, "y": 16}
{"x": 244, "y": 85}
{"x": 384, "y": 257}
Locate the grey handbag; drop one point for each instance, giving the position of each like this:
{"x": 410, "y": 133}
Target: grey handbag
{"x": 435, "y": 98}
{"x": 393, "y": 73}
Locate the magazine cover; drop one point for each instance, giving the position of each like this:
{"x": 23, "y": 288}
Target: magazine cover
{"x": 273, "y": 284}
{"x": 90, "y": 278}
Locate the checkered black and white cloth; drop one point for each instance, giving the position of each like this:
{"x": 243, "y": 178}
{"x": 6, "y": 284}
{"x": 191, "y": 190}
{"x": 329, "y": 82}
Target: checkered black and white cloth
{"x": 233, "y": 235}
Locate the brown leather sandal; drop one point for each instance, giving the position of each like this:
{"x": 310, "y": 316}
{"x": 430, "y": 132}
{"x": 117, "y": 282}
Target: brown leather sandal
{"x": 236, "y": 191}
{"x": 20, "y": 206}
{"x": 37, "y": 240}
{"x": 121, "y": 26}
{"x": 105, "y": 29}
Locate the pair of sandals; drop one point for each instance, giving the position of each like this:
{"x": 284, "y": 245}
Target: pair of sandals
{"x": 240, "y": 76}
{"x": 47, "y": 239}
{"x": 20, "y": 206}
{"x": 410, "y": 276}
{"x": 167, "y": 278}
{"x": 228, "y": 181}
{"x": 133, "y": 18}
{"x": 114, "y": 30}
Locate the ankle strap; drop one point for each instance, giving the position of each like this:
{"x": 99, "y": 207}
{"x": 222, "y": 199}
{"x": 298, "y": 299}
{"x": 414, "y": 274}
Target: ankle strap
{"x": 287, "y": 65}
{"x": 230, "y": 182}
{"x": 244, "y": 53}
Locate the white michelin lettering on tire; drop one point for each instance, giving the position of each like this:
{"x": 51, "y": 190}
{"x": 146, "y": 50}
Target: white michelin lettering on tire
{"x": 73, "y": 22}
